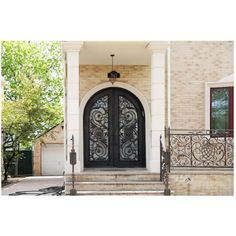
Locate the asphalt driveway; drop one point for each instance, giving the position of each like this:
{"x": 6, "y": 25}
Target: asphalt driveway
{"x": 33, "y": 183}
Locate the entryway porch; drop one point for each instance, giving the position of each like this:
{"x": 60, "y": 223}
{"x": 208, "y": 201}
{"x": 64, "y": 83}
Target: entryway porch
{"x": 142, "y": 68}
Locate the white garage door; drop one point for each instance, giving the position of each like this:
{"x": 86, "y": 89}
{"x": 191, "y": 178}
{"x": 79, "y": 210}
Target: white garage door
{"x": 53, "y": 159}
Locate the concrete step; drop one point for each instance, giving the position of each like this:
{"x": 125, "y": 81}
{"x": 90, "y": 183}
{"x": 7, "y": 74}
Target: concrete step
{"x": 117, "y": 185}
{"x": 119, "y": 182}
{"x": 122, "y": 192}
{"x": 114, "y": 176}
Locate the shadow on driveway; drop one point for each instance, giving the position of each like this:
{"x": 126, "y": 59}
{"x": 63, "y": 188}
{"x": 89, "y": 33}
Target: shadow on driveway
{"x": 31, "y": 186}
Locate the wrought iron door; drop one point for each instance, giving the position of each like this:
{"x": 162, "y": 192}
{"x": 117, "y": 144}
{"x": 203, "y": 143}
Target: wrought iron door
{"x": 114, "y": 130}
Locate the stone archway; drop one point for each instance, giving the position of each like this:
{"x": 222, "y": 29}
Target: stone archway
{"x": 132, "y": 90}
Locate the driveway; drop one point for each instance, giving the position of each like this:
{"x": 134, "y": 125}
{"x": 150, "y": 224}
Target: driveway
{"x": 33, "y": 183}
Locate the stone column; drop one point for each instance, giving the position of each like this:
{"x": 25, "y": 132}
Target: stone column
{"x": 71, "y": 117}
{"x": 158, "y": 61}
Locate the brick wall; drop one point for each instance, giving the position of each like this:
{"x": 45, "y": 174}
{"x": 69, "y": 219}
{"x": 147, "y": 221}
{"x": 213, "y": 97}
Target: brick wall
{"x": 137, "y": 76}
{"x": 202, "y": 182}
{"x": 193, "y": 64}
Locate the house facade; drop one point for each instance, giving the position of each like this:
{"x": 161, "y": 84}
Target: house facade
{"x": 116, "y": 125}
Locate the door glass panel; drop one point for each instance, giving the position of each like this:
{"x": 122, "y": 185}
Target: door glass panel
{"x": 220, "y": 109}
{"x": 128, "y": 130}
{"x": 98, "y": 130}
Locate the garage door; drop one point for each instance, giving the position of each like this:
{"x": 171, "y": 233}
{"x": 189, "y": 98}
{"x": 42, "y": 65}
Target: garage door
{"x": 53, "y": 159}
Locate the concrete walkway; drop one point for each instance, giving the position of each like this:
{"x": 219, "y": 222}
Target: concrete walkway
{"x": 33, "y": 183}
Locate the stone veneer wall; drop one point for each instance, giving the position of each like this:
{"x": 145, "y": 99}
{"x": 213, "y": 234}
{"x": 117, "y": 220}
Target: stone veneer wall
{"x": 56, "y": 136}
{"x": 202, "y": 182}
{"x": 193, "y": 64}
{"x": 137, "y": 76}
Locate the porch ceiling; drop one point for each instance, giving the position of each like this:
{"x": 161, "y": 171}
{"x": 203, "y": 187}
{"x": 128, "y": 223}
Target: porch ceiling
{"x": 126, "y": 53}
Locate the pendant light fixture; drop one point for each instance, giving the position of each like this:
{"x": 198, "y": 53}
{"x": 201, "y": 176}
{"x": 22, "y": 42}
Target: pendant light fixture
{"x": 113, "y": 75}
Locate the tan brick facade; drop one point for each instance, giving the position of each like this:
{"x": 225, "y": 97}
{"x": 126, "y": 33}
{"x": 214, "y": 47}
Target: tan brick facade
{"x": 137, "y": 76}
{"x": 193, "y": 64}
{"x": 202, "y": 182}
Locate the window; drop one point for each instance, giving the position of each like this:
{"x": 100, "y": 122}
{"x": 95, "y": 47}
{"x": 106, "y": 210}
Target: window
{"x": 221, "y": 108}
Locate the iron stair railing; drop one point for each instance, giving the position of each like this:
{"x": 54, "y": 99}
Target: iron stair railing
{"x": 165, "y": 168}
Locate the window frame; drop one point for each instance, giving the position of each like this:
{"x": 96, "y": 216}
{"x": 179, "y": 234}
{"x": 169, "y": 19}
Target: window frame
{"x": 230, "y": 90}
{"x": 225, "y": 82}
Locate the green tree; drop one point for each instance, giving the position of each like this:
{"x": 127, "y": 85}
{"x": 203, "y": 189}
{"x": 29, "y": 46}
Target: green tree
{"x": 33, "y": 89}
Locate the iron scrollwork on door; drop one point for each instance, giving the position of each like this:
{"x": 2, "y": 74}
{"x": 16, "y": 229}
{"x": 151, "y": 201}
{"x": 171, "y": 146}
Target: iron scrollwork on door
{"x": 114, "y": 130}
{"x": 128, "y": 130}
{"x": 98, "y": 130}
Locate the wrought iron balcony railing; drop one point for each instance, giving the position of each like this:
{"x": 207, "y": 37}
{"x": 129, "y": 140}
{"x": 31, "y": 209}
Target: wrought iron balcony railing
{"x": 201, "y": 148}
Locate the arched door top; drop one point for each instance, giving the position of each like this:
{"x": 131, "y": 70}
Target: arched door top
{"x": 114, "y": 130}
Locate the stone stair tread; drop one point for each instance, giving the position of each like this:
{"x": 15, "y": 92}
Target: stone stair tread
{"x": 135, "y": 182}
{"x": 115, "y": 173}
{"x": 117, "y": 182}
{"x": 113, "y": 177}
{"x": 121, "y": 192}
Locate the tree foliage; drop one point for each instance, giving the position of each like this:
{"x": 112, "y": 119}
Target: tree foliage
{"x": 33, "y": 91}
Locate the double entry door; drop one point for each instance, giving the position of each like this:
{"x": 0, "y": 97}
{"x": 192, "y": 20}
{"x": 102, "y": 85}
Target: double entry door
{"x": 114, "y": 130}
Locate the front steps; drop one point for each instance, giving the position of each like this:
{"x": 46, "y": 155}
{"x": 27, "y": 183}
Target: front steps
{"x": 116, "y": 183}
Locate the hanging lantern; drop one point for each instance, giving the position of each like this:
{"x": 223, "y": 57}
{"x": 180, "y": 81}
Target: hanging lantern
{"x": 113, "y": 75}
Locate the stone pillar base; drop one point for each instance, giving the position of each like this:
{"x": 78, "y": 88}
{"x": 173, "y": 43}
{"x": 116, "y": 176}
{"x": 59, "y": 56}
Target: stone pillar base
{"x": 154, "y": 166}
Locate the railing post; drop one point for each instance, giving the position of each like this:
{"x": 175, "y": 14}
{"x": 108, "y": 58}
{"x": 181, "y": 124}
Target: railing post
{"x": 164, "y": 167}
{"x": 167, "y": 190}
{"x": 73, "y": 162}
{"x": 161, "y": 154}
{"x": 191, "y": 145}
{"x": 168, "y": 135}
{"x": 168, "y": 142}
{"x": 225, "y": 149}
